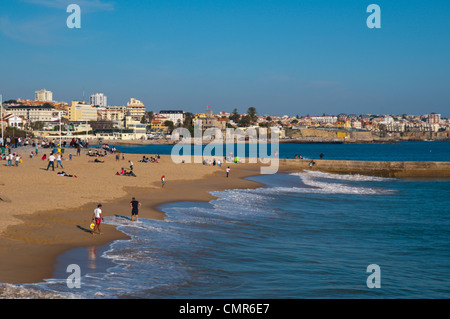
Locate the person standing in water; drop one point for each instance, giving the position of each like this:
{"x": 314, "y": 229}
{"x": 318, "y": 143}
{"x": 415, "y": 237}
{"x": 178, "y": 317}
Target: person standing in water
{"x": 135, "y": 205}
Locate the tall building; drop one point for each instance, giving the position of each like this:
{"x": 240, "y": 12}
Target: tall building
{"x": 99, "y": 99}
{"x": 434, "y": 118}
{"x": 136, "y": 109}
{"x": 43, "y": 96}
{"x": 82, "y": 112}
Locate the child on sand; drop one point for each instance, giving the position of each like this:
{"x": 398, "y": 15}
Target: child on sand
{"x": 163, "y": 181}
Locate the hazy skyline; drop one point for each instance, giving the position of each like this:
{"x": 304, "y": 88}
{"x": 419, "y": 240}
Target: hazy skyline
{"x": 281, "y": 57}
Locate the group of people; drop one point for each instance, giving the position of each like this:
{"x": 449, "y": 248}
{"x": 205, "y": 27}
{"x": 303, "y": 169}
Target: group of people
{"x": 96, "y": 153}
{"x": 124, "y": 172}
{"x": 152, "y": 159}
{"x": 51, "y": 160}
{"x": 13, "y": 142}
{"x": 111, "y": 149}
{"x": 213, "y": 162}
{"x": 299, "y": 156}
{"x": 97, "y": 216}
{"x": 10, "y": 158}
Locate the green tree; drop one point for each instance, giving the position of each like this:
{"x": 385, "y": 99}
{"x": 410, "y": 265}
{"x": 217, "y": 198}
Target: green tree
{"x": 235, "y": 117}
{"x": 245, "y": 121}
{"x": 251, "y": 112}
{"x": 150, "y": 115}
{"x": 188, "y": 118}
{"x": 169, "y": 124}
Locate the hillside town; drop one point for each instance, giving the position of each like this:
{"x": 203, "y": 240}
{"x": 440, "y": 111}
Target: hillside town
{"x": 42, "y": 117}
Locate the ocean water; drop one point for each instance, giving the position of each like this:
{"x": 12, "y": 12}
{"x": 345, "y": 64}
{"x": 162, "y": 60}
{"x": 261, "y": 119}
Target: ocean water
{"x": 401, "y": 151}
{"x": 301, "y": 235}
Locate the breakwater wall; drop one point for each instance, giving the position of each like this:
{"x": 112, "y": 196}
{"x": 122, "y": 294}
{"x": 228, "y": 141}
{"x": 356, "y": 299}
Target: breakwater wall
{"x": 404, "y": 169}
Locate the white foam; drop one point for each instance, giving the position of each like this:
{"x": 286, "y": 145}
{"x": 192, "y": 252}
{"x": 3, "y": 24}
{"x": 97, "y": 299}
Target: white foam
{"x": 345, "y": 177}
{"x": 316, "y": 183}
{"x": 8, "y": 291}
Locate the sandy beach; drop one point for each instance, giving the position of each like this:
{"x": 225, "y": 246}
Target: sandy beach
{"x": 44, "y": 214}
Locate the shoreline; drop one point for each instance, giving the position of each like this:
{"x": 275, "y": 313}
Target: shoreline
{"x": 31, "y": 247}
{"x": 29, "y": 256}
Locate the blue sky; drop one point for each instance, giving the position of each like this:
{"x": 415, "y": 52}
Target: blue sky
{"x": 282, "y": 57}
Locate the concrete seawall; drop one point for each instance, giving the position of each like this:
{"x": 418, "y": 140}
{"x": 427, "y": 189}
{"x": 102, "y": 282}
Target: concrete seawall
{"x": 373, "y": 168}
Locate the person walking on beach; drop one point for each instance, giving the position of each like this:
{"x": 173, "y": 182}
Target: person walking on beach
{"x": 97, "y": 218}
{"x": 59, "y": 161}
{"x": 163, "y": 181}
{"x": 51, "y": 162}
{"x": 131, "y": 165}
{"x": 17, "y": 159}
{"x": 228, "y": 171}
{"x": 10, "y": 158}
{"x": 135, "y": 205}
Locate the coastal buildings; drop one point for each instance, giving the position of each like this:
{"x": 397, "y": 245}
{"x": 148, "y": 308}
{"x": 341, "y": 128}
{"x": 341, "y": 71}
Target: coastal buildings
{"x": 112, "y": 113}
{"x": 79, "y": 111}
{"x": 15, "y": 121}
{"x": 98, "y": 99}
{"x": 209, "y": 120}
{"x": 434, "y": 118}
{"x": 34, "y": 113}
{"x": 139, "y": 130}
{"x": 176, "y": 116}
{"x": 43, "y": 95}
{"x": 136, "y": 109}
{"x": 157, "y": 123}
{"x": 130, "y": 129}
{"x": 133, "y": 121}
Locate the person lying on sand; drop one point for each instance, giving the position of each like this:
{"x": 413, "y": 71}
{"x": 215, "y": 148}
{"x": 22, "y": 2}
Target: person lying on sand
{"x": 96, "y": 161}
{"x": 65, "y": 174}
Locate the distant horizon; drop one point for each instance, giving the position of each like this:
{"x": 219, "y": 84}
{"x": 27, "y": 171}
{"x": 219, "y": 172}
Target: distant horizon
{"x": 281, "y": 57}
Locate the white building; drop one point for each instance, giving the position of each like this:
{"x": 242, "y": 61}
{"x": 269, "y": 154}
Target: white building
{"x": 324, "y": 119}
{"x": 43, "y": 96}
{"x": 34, "y": 113}
{"x": 434, "y": 118}
{"x": 174, "y": 116}
{"x": 15, "y": 121}
{"x": 98, "y": 99}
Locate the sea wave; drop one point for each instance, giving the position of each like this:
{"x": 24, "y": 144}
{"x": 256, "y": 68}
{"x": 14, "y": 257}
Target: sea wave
{"x": 345, "y": 177}
{"x": 319, "y": 182}
{"x": 311, "y": 182}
